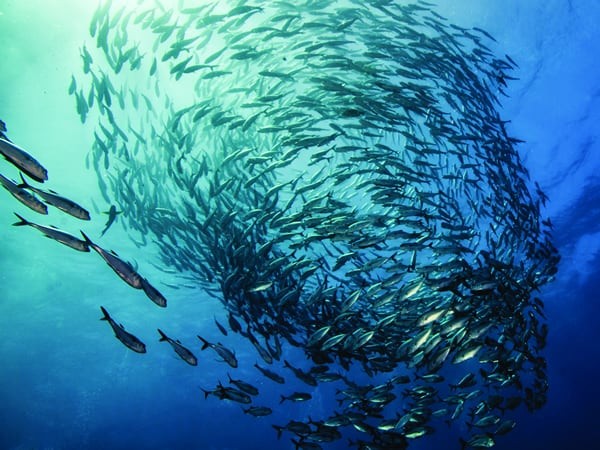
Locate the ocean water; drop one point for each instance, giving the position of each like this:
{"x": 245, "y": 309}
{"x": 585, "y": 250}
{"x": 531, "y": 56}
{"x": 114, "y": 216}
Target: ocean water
{"x": 67, "y": 383}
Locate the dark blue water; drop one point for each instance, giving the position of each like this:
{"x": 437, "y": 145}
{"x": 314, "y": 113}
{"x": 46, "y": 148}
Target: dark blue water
{"x": 66, "y": 383}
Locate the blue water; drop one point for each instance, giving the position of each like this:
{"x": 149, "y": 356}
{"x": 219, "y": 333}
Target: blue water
{"x": 67, "y": 383}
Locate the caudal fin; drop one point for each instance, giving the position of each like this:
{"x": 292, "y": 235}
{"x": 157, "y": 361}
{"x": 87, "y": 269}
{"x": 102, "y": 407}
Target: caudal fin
{"x": 206, "y": 393}
{"x": 163, "y": 336}
{"x": 21, "y": 221}
{"x": 86, "y": 238}
{"x": 105, "y": 312}
{"x": 24, "y": 184}
{"x": 205, "y": 343}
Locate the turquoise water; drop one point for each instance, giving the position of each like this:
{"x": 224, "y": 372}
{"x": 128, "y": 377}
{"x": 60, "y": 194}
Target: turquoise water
{"x": 68, "y": 383}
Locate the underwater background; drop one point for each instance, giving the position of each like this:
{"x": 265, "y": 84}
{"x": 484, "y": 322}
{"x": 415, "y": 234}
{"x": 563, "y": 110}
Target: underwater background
{"x": 65, "y": 382}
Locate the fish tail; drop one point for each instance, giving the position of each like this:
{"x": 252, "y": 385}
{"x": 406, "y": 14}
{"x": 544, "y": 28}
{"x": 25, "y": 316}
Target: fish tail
{"x": 163, "y": 336}
{"x": 21, "y": 221}
{"x": 86, "y": 238}
{"x": 205, "y": 393}
{"x": 105, "y": 312}
{"x": 24, "y": 184}
{"x": 278, "y": 428}
{"x": 229, "y": 376}
{"x": 283, "y": 399}
{"x": 205, "y": 343}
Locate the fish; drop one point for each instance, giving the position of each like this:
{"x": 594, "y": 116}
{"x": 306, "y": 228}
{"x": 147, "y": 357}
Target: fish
{"x": 112, "y": 216}
{"x": 258, "y": 411}
{"x": 29, "y": 200}
{"x": 243, "y": 386}
{"x": 183, "y": 352}
{"x": 23, "y": 161}
{"x": 128, "y": 339}
{"x": 153, "y": 294}
{"x": 296, "y": 397}
{"x": 55, "y": 234}
{"x": 62, "y": 203}
{"x": 123, "y": 269}
{"x": 228, "y": 393}
{"x": 227, "y": 355}
{"x": 220, "y": 327}
{"x": 270, "y": 374}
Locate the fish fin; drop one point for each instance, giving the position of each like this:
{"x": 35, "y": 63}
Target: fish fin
{"x": 105, "y": 312}
{"x": 87, "y": 239}
{"x": 24, "y": 184}
{"x": 278, "y": 428}
{"x": 114, "y": 253}
{"x": 163, "y": 336}
{"x": 205, "y": 343}
{"x": 229, "y": 376}
{"x": 21, "y": 221}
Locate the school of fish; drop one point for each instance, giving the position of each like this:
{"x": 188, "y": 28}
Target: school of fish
{"x": 337, "y": 174}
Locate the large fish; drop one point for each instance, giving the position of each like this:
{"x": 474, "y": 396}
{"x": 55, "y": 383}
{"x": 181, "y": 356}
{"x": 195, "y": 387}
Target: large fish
{"x": 28, "y": 199}
{"x": 183, "y": 352}
{"x": 128, "y": 339}
{"x": 123, "y": 269}
{"x": 153, "y": 294}
{"x": 227, "y": 355}
{"x": 23, "y": 160}
{"x": 62, "y": 203}
{"x": 56, "y": 234}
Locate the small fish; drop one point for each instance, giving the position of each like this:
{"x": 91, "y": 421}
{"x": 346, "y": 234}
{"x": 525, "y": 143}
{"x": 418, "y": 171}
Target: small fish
{"x": 269, "y": 374}
{"x": 258, "y": 411}
{"x": 126, "y": 338}
{"x": 125, "y": 271}
{"x": 243, "y": 386}
{"x": 296, "y": 397}
{"x": 53, "y": 233}
{"x": 153, "y": 294}
{"x": 28, "y": 199}
{"x": 112, "y": 215}
{"x": 23, "y": 160}
{"x": 227, "y": 355}
{"x": 220, "y": 327}
{"x": 62, "y": 203}
{"x": 183, "y": 352}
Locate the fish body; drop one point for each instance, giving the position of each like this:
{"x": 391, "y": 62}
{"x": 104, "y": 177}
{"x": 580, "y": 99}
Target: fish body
{"x": 23, "y": 161}
{"x": 128, "y": 339}
{"x": 259, "y": 411}
{"x": 270, "y": 374}
{"x": 296, "y": 397}
{"x": 123, "y": 269}
{"x": 183, "y": 352}
{"x": 62, "y": 203}
{"x": 112, "y": 216}
{"x": 227, "y": 355}
{"x": 153, "y": 294}
{"x": 56, "y": 234}
{"x": 27, "y": 198}
{"x": 243, "y": 386}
